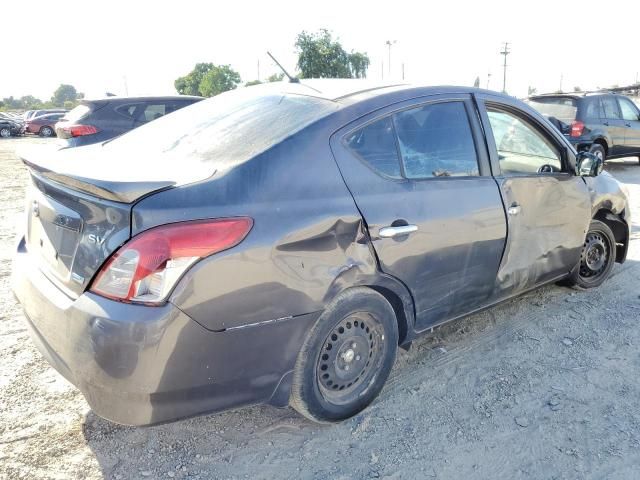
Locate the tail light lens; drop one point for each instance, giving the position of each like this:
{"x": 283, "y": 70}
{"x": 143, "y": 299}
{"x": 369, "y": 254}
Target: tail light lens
{"x": 577, "y": 128}
{"x": 146, "y": 268}
{"x": 78, "y": 130}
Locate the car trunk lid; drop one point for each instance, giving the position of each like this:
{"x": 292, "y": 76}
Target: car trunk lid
{"x": 75, "y": 223}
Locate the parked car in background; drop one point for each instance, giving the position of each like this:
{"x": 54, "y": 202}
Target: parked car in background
{"x": 36, "y": 113}
{"x": 99, "y": 120}
{"x": 276, "y": 244}
{"x": 9, "y": 127}
{"x": 43, "y": 125}
{"x": 606, "y": 124}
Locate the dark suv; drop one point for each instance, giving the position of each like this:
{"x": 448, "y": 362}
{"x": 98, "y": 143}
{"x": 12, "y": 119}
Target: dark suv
{"x": 95, "y": 121}
{"x": 605, "y": 123}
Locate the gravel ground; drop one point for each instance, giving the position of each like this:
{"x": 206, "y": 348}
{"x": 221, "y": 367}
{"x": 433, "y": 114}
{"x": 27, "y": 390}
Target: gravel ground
{"x": 543, "y": 386}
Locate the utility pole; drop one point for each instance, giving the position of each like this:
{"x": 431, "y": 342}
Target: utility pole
{"x": 382, "y": 70}
{"x": 389, "y": 43}
{"x": 488, "y": 79}
{"x": 505, "y": 52}
{"x": 258, "y": 78}
{"x": 403, "y": 71}
{"x": 560, "y": 83}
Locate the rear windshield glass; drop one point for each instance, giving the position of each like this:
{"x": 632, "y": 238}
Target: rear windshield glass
{"x": 562, "y": 108}
{"x": 77, "y": 113}
{"x": 218, "y": 133}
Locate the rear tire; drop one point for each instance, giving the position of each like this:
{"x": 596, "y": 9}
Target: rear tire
{"x": 5, "y": 132}
{"x": 46, "y": 132}
{"x": 346, "y": 357}
{"x": 597, "y": 257}
{"x": 599, "y": 151}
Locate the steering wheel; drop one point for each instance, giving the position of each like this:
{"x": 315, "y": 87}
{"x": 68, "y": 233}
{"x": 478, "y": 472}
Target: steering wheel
{"x": 546, "y": 168}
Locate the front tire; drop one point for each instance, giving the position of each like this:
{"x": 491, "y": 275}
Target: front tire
{"x": 597, "y": 258}
{"x": 46, "y": 131}
{"x": 5, "y": 132}
{"x": 346, "y": 357}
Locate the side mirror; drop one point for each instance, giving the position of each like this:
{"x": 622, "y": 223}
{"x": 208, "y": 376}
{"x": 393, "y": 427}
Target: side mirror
{"x": 588, "y": 165}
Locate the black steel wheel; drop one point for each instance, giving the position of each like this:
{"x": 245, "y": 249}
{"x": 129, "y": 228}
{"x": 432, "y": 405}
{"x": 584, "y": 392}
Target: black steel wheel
{"x": 598, "y": 151}
{"x": 346, "y": 357}
{"x": 597, "y": 257}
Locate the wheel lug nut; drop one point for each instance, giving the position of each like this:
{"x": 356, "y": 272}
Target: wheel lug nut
{"x": 353, "y": 345}
{"x": 357, "y": 357}
{"x": 346, "y": 367}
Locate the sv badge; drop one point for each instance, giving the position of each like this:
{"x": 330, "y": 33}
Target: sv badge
{"x": 95, "y": 239}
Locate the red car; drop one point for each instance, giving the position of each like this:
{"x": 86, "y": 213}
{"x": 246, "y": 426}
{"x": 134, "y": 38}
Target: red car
{"x": 44, "y": 124}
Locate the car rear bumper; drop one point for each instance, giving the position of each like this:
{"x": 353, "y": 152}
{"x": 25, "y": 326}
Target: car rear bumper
{"x": 141, "y": 365}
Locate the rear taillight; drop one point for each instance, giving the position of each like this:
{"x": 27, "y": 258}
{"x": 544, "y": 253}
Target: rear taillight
{"x": 147, "y": 267}
{"x": 78, "y": 130}
{"x": 577, "y": 127}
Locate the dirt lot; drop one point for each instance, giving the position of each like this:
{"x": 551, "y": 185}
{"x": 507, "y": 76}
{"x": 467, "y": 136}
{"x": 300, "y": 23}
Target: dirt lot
{"x": 544, "y": 386}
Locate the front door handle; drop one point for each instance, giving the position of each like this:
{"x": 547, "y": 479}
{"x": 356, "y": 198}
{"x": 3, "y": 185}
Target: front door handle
{"x": 606, "y": 124}
{"x": 514, "y": 209}
{"x": 390, "y": 232}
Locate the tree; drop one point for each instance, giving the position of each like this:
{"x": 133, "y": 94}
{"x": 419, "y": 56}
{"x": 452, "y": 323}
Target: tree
{"x": 190, "y": 83}
{"x": 320, "y": 56}
{"x": 359, "y": 63}
{"x": 476, "y": 84}
{"x": 64, "y": 93}
{"x": 577, "y": 89}
{"x": 220, "y": 78}
{"x": 532, "y": 90}
{"x": 252, "y": 83}
{"x": 276, "y": 77}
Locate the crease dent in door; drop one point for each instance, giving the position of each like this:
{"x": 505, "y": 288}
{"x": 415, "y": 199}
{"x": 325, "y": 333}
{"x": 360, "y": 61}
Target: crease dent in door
{"x": 541, "y": 242}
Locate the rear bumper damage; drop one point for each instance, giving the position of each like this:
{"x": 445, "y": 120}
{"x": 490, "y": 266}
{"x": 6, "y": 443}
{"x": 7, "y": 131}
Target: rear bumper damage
{"x": 140, "y": 365}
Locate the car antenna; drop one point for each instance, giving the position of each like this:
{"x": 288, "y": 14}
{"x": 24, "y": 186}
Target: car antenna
{"x": 291, "y": 79}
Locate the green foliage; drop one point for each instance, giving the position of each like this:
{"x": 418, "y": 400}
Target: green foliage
{"x": 64, "y": 93}
{"x": 252, "y": 82}
{"x": 276, "y": 77}
{"x": 220, "y": 78}
{"x": 207, "y": 79}
{"x": 190, "y": 84}
{"x": 476, "y": 83}
{"x": 320, "y": 56}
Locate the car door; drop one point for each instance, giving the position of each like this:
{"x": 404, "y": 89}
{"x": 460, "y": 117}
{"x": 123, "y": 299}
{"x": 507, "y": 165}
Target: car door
{"x": 631, "y": 118}
{"x": 548, "y": 206}
{"x": 419, "y": 174}
{"x": 614, "y": 124}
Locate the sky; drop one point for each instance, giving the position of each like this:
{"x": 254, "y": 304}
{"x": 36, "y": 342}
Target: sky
{"x": 139, "y": 47}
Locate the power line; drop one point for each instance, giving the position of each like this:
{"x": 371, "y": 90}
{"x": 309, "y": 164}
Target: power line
{"x": 505, "y": 52}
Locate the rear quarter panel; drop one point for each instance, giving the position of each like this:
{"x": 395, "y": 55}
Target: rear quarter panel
{"x": 307, "y": 243}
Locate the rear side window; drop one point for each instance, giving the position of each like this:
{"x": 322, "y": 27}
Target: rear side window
{"x": 425, "y": 142}
{"x": 629, "y": 110}
{"x": 436, "y": 141}
{"x": 593, "y": 108}
{"x": 610, "y": 108}
{"x": 152, "y": 112}
{"x": 375, "y": 144}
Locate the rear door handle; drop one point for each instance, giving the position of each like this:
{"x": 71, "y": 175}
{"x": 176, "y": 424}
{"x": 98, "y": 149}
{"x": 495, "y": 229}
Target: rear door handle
{"x": 514, "y": 209}
{"x": 390, "y": 232}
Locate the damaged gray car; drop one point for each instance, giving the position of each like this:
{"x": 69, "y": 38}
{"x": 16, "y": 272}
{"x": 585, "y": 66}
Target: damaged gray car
{"x": 277, "y": 244}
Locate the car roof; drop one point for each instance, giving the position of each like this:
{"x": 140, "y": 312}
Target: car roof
{"x": 349, "y": 91}
{"x": 117, "y": 99}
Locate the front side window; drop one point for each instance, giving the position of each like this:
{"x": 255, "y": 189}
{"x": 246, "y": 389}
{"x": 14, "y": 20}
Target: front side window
{"x": 628, "y": 109}
{"x": 610, "y": 108}
{"x": 521, "y": 148}
{"x": 436, "y": 141}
